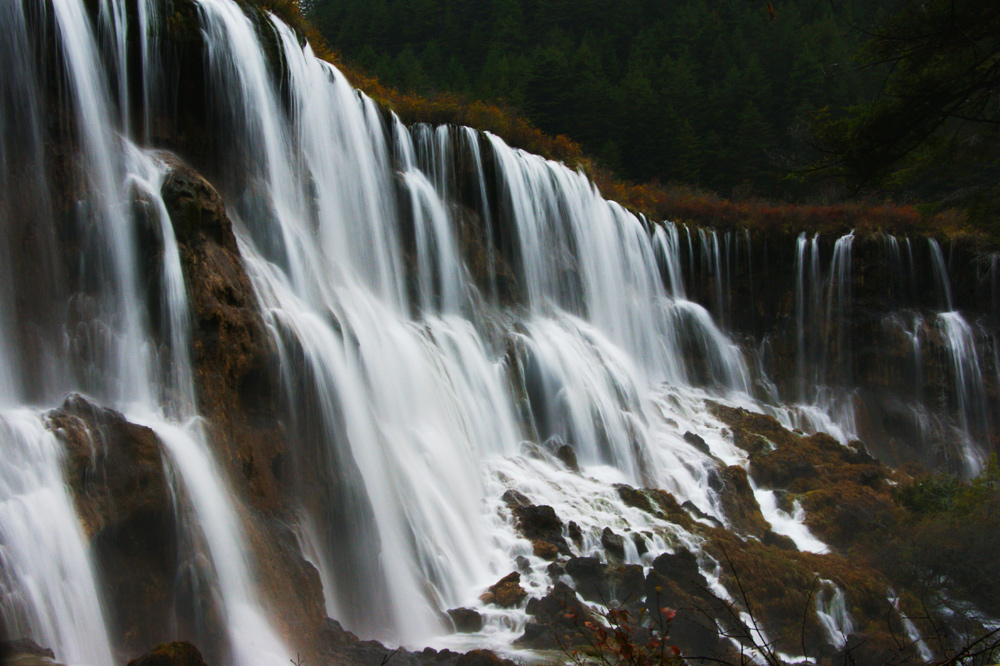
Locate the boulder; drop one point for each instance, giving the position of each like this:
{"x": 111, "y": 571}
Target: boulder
{"x": 170, "y": 654}
{"x": 114, "y": 467}
{"x": 466, "y": 620}
{"x": 604, "y": 583}
{"x": 567, "y": 455}
{"x": 675, "y": 581}
{"x": 116, "y": 472}
{"x": 537, "y": 522}
{"x": 559, "y": 620}
{"x": 613, "y": 543}
{"x": 506, "y": 592}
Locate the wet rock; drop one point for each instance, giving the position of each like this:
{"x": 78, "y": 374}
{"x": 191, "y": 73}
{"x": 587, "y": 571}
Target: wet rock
{"x": 334, "y": 636}
{"x": 613, "y": 543}
{"x": 603, "y": 583}
{"x": 544, "y": 550}
{"x": 676, "y": 582}
{"x": 640, "y": 543}
{"x": 235, "y": 362}
{"x": 116, "y": 472}
{"x": 506, "y": 592}
{"x": 635, "y": 498}
{"x": 482, "y": 658}
{"x": 567, "y": 455}
{"x": 522, "y": 562}
{"x": 466, "y": 620}
{"x": 558, "y": 620}
{"x": 170, "y": 654}
{"x": 692, "y": 509}
{"x": 588, "y": 575}
{"x": 25, "y": 652}
{"x": 114, "y": 467}
{"x": 698, "y": 442}
{"x": 738, "y": 501}
{"x": 575, "y": 533}
{"x": 540, "y": 523}
{"x": 515, "y": 499}
{"x": 555, "y": 570}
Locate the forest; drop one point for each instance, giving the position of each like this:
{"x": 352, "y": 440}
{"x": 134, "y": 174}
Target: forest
{"x": 792, "y": 100}
{"x": 700, "y": 92}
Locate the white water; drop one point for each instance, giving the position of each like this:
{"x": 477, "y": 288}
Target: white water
{"x": 832, "y": 612}
{"x": 47, "y": 583}
{"x": 52, "y": 592}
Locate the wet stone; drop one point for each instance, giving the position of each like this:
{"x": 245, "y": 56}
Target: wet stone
{"x": 466, "y": 620}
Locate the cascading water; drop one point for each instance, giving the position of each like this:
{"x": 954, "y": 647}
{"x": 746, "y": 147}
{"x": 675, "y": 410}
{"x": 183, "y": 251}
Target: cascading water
{"x": 417, "y": 384}
{"x": 109, "y": 354}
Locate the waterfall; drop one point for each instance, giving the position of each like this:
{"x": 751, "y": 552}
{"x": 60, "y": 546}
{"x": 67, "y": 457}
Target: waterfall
{"x": 47, "y": 582}
{"x": 832, "y": 612}
{"x": 448, "y": 316}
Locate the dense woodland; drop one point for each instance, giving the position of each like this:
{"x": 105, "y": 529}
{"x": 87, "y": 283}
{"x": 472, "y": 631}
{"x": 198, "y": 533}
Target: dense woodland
{"x": 780, "y": 99}
{"x": 703, "y": 92}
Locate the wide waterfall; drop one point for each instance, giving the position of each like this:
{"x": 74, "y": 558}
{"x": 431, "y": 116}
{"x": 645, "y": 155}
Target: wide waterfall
{"x": 447, "y": 319}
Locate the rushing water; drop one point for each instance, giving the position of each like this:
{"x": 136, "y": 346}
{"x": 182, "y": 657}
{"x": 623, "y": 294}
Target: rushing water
{"x": 416, "y": 385}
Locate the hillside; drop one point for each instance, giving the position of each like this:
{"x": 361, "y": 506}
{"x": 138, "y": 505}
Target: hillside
{"x": 705, "y": 93}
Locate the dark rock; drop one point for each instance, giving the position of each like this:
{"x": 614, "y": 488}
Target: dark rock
{"x": 640, "y": 544}
{"x": 333, "y": 635}
{"x": 24, "y": 651}
{"x": 771, "y": 538}
{"x": 555, "y": 570}
{"x": 506, "y": 592}
{"x": 613, "y": 543}
{"x": 116, "y": 472}
{"x": 694, "y": 511}
{"x": 870, "y": 476}
{"x": 603, "y": 583}
{"x": 679, "y": 566}
{"x": 559, "y": 620}
{"x": 540, "y": 523}
{"x": 170, "y": 654}
{"x": 575, "y": 533}
{"x": 522, "y": 562}
{"x": 635, "y": 498}
{"x": 588, "y": 575}
{"x": 698, "y": 442}
{"x": 738, "y": 501}
{"x": 676, "y": 582}
{"x": 114, "y": 467}
{"x": 783, "y": 500}
{"x": 466, "y": 620}
{"x": 567, "y": 455}
{"x": 482, "y": 658}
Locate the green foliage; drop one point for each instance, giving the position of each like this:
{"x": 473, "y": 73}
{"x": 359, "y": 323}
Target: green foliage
{"x": 949, "y": 534}
{"x": 946, "y": 493}
{"x": 934, "y": 131}
{"x": 698, "y": 91}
